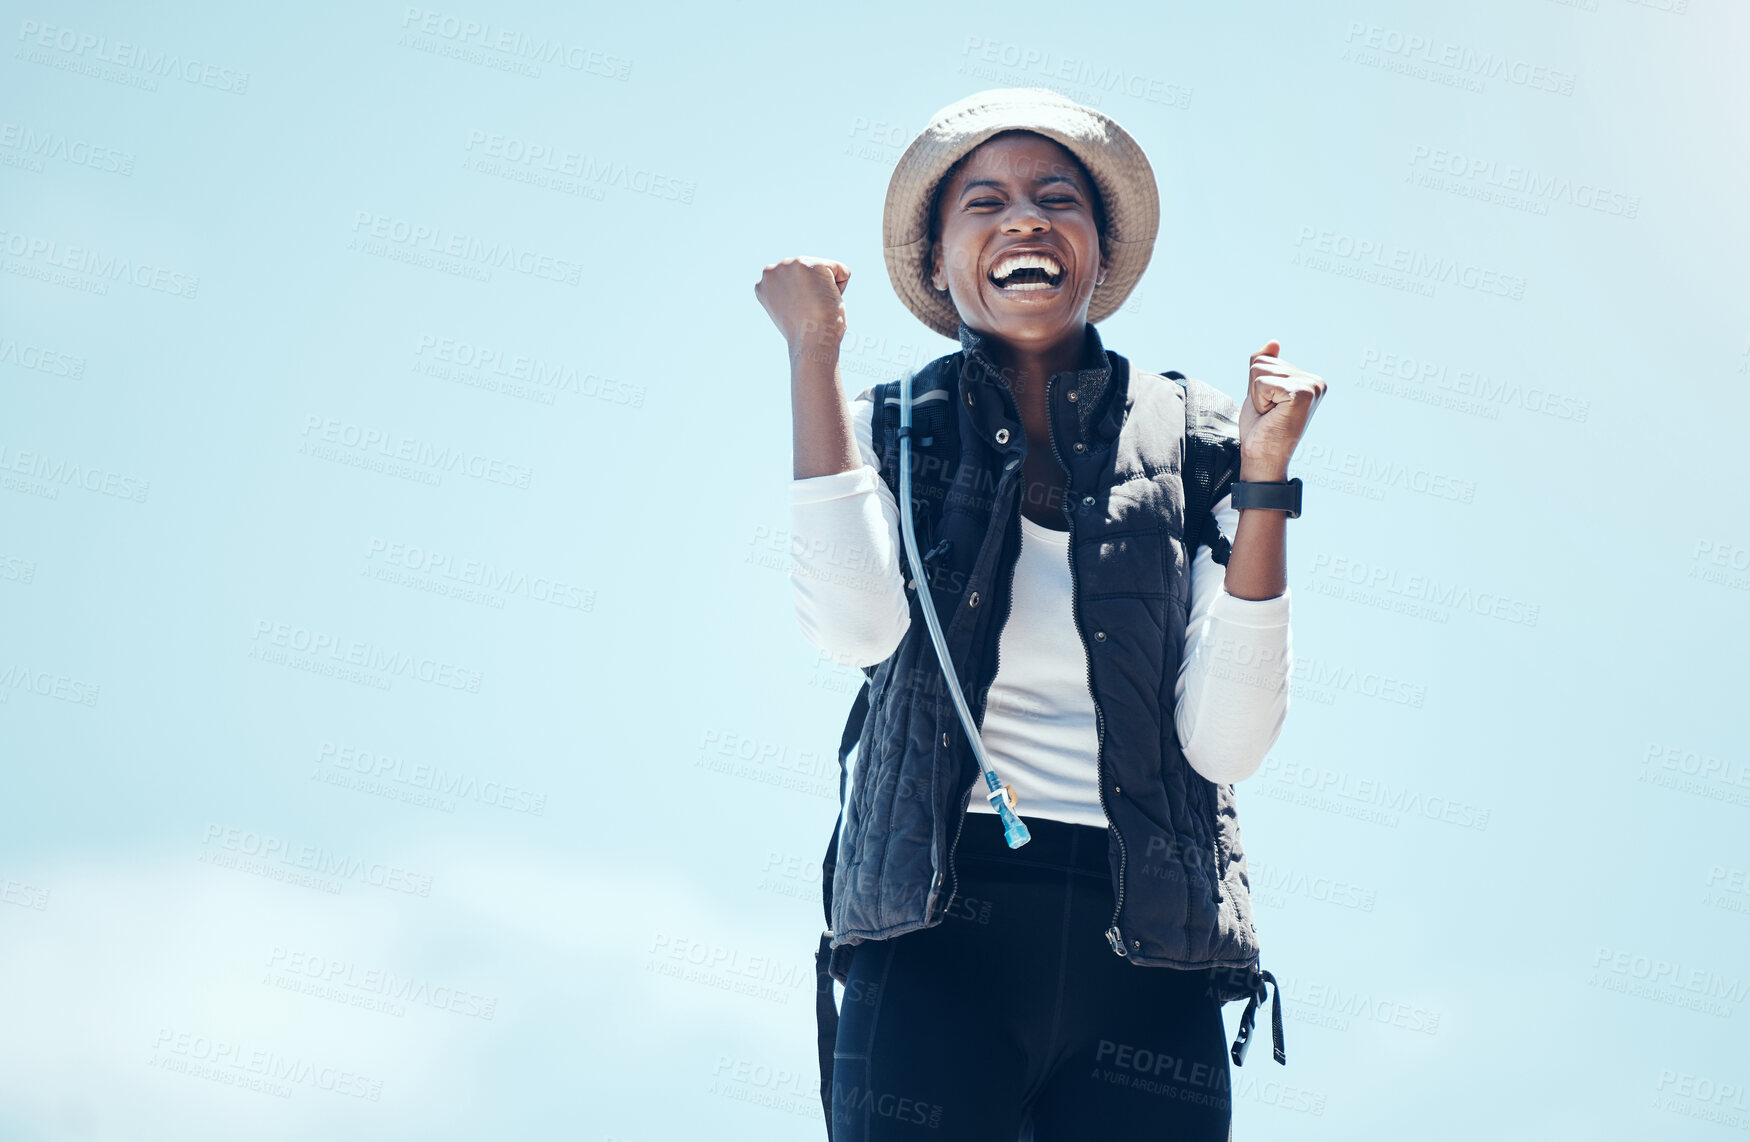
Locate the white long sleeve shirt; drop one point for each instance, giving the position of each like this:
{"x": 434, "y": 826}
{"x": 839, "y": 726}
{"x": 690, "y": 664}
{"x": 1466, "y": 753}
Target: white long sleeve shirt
{"x": 1231, "y": 693}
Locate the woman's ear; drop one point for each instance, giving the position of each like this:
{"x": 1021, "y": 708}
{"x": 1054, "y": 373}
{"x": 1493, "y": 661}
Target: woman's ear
{"x": 937, "y": 277}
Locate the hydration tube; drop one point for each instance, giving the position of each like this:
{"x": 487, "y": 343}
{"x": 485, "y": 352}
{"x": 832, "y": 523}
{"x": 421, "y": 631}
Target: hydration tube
{"x": 1001, "y": 797}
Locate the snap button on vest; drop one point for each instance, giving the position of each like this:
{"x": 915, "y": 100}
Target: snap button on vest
{"x": 1072, "y": 394}
{"x": 1088, "y": 501}
{"x": 1080, "y": 447}
{"x": 1100, "y": 636}
{"x": 973, "y": 601}
{"x": 1002, "y": 436}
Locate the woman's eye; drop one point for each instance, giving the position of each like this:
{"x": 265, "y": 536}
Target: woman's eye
{"x": 1050, "y": 200}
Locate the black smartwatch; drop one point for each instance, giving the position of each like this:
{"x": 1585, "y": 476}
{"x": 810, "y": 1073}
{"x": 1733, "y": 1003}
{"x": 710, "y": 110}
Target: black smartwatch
{"x": 1282, "y": 495}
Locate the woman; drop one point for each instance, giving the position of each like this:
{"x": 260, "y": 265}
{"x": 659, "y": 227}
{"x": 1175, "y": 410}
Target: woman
{"x": 982, "y": 996}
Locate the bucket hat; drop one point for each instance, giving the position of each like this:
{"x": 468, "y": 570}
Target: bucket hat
{"x": 1120, "y": 171}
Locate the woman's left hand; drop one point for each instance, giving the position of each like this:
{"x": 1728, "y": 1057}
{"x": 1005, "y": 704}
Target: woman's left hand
{"x": 1280, "y": 400}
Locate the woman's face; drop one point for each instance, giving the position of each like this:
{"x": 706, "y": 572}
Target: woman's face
{"x": 1019, "y": 243}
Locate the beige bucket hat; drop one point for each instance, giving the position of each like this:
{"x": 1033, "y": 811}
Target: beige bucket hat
{"x": 1119, "y": 168}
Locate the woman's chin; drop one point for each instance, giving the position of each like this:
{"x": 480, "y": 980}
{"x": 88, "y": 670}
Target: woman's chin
{"x": 1032, "y": 315}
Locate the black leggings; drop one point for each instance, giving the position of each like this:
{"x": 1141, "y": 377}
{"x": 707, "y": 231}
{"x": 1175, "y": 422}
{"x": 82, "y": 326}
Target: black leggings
{"x": 1013, "y": 1019}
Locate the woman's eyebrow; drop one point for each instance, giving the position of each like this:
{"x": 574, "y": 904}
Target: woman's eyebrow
{"x": 1040, "y": 181}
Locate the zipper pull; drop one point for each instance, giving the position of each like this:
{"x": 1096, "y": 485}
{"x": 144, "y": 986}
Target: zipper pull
{"x": 1116, "y": 939}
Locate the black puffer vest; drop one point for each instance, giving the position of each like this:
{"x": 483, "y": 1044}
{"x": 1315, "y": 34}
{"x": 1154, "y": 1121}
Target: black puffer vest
{"x": 1124, "y": 436}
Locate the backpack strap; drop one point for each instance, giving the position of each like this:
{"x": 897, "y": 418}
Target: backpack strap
{"x": 882, "y": 420}
{"x": 1212, "y": 462}
{"x": 886, "y": 416}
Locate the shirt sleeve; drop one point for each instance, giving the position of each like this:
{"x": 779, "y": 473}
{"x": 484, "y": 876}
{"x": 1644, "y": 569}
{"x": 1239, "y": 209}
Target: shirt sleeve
{"x": 1231, "y": 696}
{"x": 846, "y": 575}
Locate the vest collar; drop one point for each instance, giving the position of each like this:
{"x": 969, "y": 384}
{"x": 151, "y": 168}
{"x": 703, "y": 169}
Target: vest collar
{"x": 1093, "y": 382}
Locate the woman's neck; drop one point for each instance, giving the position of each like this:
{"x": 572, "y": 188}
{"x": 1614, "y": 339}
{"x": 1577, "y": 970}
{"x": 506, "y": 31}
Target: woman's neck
{"x": 1029, "y": 368}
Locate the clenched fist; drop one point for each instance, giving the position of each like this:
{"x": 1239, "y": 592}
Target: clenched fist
{"x": 805, "y": 298}
{"x": 1280, "y": 399}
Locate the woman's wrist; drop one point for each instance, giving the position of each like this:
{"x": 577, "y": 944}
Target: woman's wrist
{"x": 813, "y": 377}
{"x": 1263, "y": 469}
{"x": 817, "y": 344}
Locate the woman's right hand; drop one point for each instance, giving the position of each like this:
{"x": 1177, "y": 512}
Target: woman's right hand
{"x": 805, "y": 298}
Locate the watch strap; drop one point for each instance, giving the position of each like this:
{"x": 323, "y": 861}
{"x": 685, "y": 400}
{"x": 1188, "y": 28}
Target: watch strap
{"x": 1283, "y": 495}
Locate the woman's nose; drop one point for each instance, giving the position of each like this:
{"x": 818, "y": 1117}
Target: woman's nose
{"x": 1026, "y": 218}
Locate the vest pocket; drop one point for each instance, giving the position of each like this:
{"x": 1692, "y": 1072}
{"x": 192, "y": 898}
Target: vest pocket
{"x": 1123, "y": 565}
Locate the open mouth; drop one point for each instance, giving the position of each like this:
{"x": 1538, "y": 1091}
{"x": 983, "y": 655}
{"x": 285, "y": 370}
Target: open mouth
{"x": 1020, "y": 273}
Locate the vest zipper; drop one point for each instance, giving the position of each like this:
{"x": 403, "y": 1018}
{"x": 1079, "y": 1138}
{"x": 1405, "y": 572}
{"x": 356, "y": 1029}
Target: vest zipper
{"x": 1215, "y": 846}
{"x": 1113, "y": 935}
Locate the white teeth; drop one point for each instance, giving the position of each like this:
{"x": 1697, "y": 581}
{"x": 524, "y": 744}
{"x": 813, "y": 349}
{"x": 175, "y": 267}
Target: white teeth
{"x": 1012, "y": 262}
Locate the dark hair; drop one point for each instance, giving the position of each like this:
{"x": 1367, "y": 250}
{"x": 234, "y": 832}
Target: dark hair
{"x": 941, "y": 187}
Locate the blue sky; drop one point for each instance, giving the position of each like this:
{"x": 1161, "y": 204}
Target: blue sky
{"x": 400, "y": 694}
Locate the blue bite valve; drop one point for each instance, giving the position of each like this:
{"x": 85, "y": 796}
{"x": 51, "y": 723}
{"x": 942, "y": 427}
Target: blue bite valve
{"x": 1001, "y": 798}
